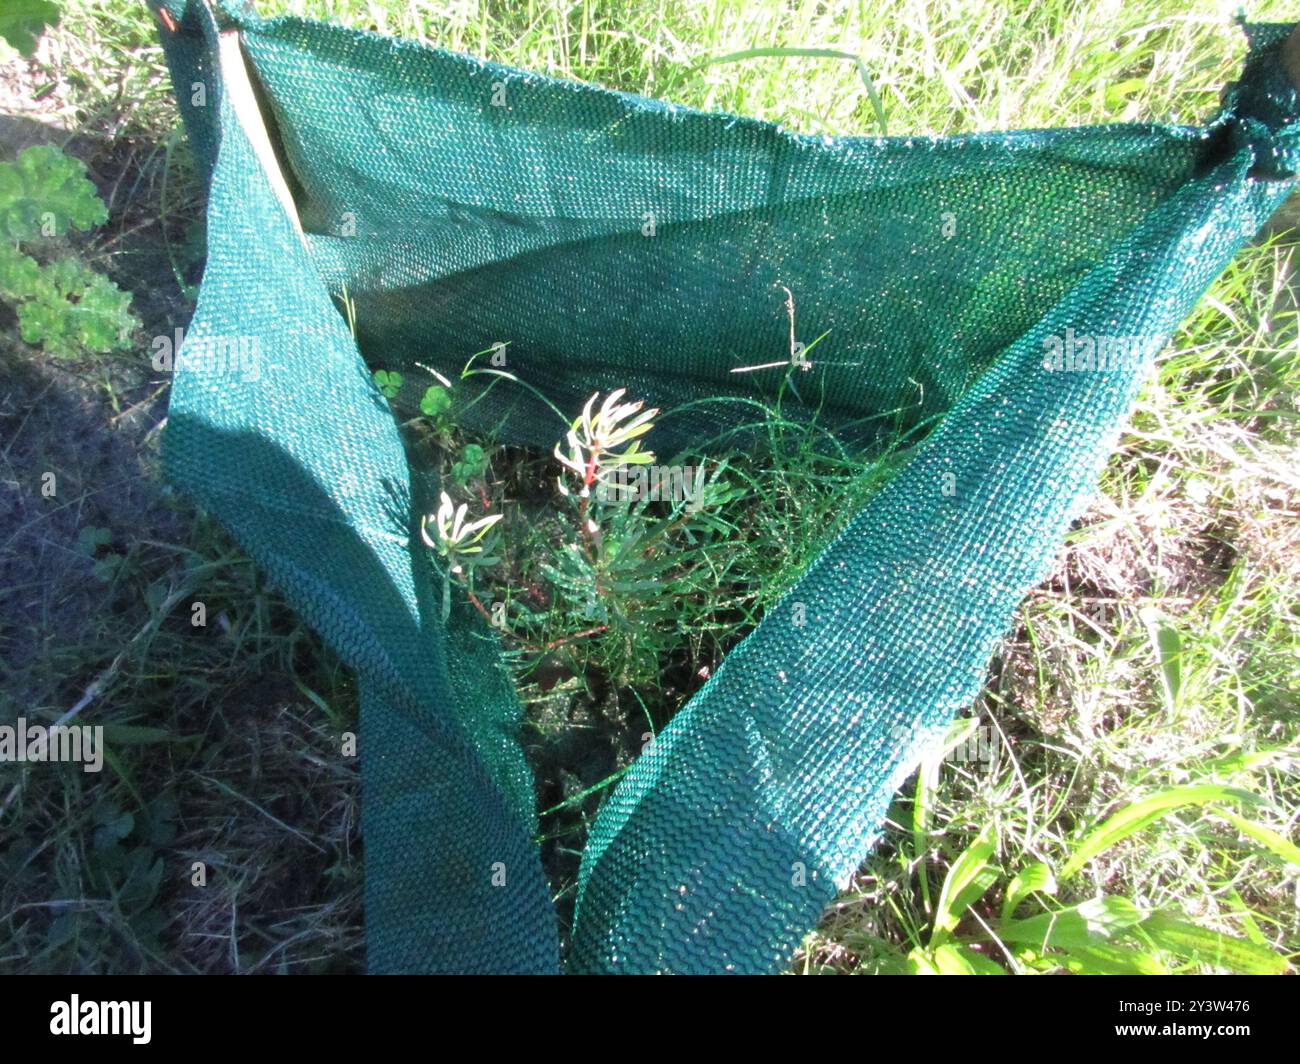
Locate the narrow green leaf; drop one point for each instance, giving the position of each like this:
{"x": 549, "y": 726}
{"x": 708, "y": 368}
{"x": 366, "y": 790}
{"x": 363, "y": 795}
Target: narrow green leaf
{"x": 1143, "y": 812}
{"x": 1249, "y": 924}
{"x": 1266, "y": 837}
{"x": 1211, "y": 947}
{"x": 137, "y": 735}
{"x": 816, "y": 53}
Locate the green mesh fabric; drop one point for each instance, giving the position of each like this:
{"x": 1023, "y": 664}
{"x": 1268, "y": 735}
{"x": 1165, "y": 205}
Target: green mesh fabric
{"x": 941, "y": 271}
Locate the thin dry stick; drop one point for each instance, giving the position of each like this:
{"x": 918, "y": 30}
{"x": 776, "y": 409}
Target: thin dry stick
{"x": 795, "y": 359}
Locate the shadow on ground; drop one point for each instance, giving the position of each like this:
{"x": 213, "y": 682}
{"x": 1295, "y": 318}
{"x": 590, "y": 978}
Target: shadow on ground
{"x": 222, "y": 737}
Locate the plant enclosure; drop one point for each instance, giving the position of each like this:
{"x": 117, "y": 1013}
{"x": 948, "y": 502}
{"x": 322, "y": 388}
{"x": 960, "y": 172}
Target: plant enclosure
{"x": 597, "y": 240}
{"x": 637, "y": 691}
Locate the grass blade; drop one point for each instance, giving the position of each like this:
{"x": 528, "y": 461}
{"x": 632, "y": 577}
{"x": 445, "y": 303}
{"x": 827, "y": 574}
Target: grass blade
{"x": 815, "y": 53}
{"x": 1212, "y": 947}
{"x": 1143, "y": 812}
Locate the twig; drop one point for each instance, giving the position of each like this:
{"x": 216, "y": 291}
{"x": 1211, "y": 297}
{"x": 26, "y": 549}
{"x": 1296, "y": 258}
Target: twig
{"x": 570, "y": 638}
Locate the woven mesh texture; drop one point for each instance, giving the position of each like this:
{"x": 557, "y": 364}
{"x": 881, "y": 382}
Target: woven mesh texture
{"x": 455, "y": 224}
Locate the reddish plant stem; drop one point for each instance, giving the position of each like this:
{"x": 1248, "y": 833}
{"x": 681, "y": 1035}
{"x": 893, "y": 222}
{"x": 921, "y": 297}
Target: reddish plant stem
{"x": 533, "y": 647}
{"x": 570, "y": 638}
{"x": 479, "y": 606}
{"x": 589, "y": 478}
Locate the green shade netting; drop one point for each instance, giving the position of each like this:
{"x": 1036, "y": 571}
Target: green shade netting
{"x": 939, "y": 270}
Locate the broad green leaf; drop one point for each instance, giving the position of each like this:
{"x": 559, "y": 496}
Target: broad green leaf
{"x": 113, "y": 831}
{"x": 1035, "y": 878}
{"x": 1143, "y": 812}
{"x": 979, "y": 963}
{"x": 44, "y": 193}
{"x": 22, "y": 21}
{"x": 436, "y": 400}
{"x": 106, "y": 567}
{"x": 470, "y": 464}
{"x": 71, "y": 310}
{"x": 92, "y": 537}
{"x": 968, "y": 879}
{"x": 949, "y": 960}
{"x": 67, "y": 329}
{"x": 20, "y": 275}
{"x": 389, "y": 382}
{"x": 1168, "y": 647}
{"x": 1083, "y": 925}
{"x": 101, "y": 318}
{"x": 144, "y": 877}
{"x": 1104, "y": 959}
